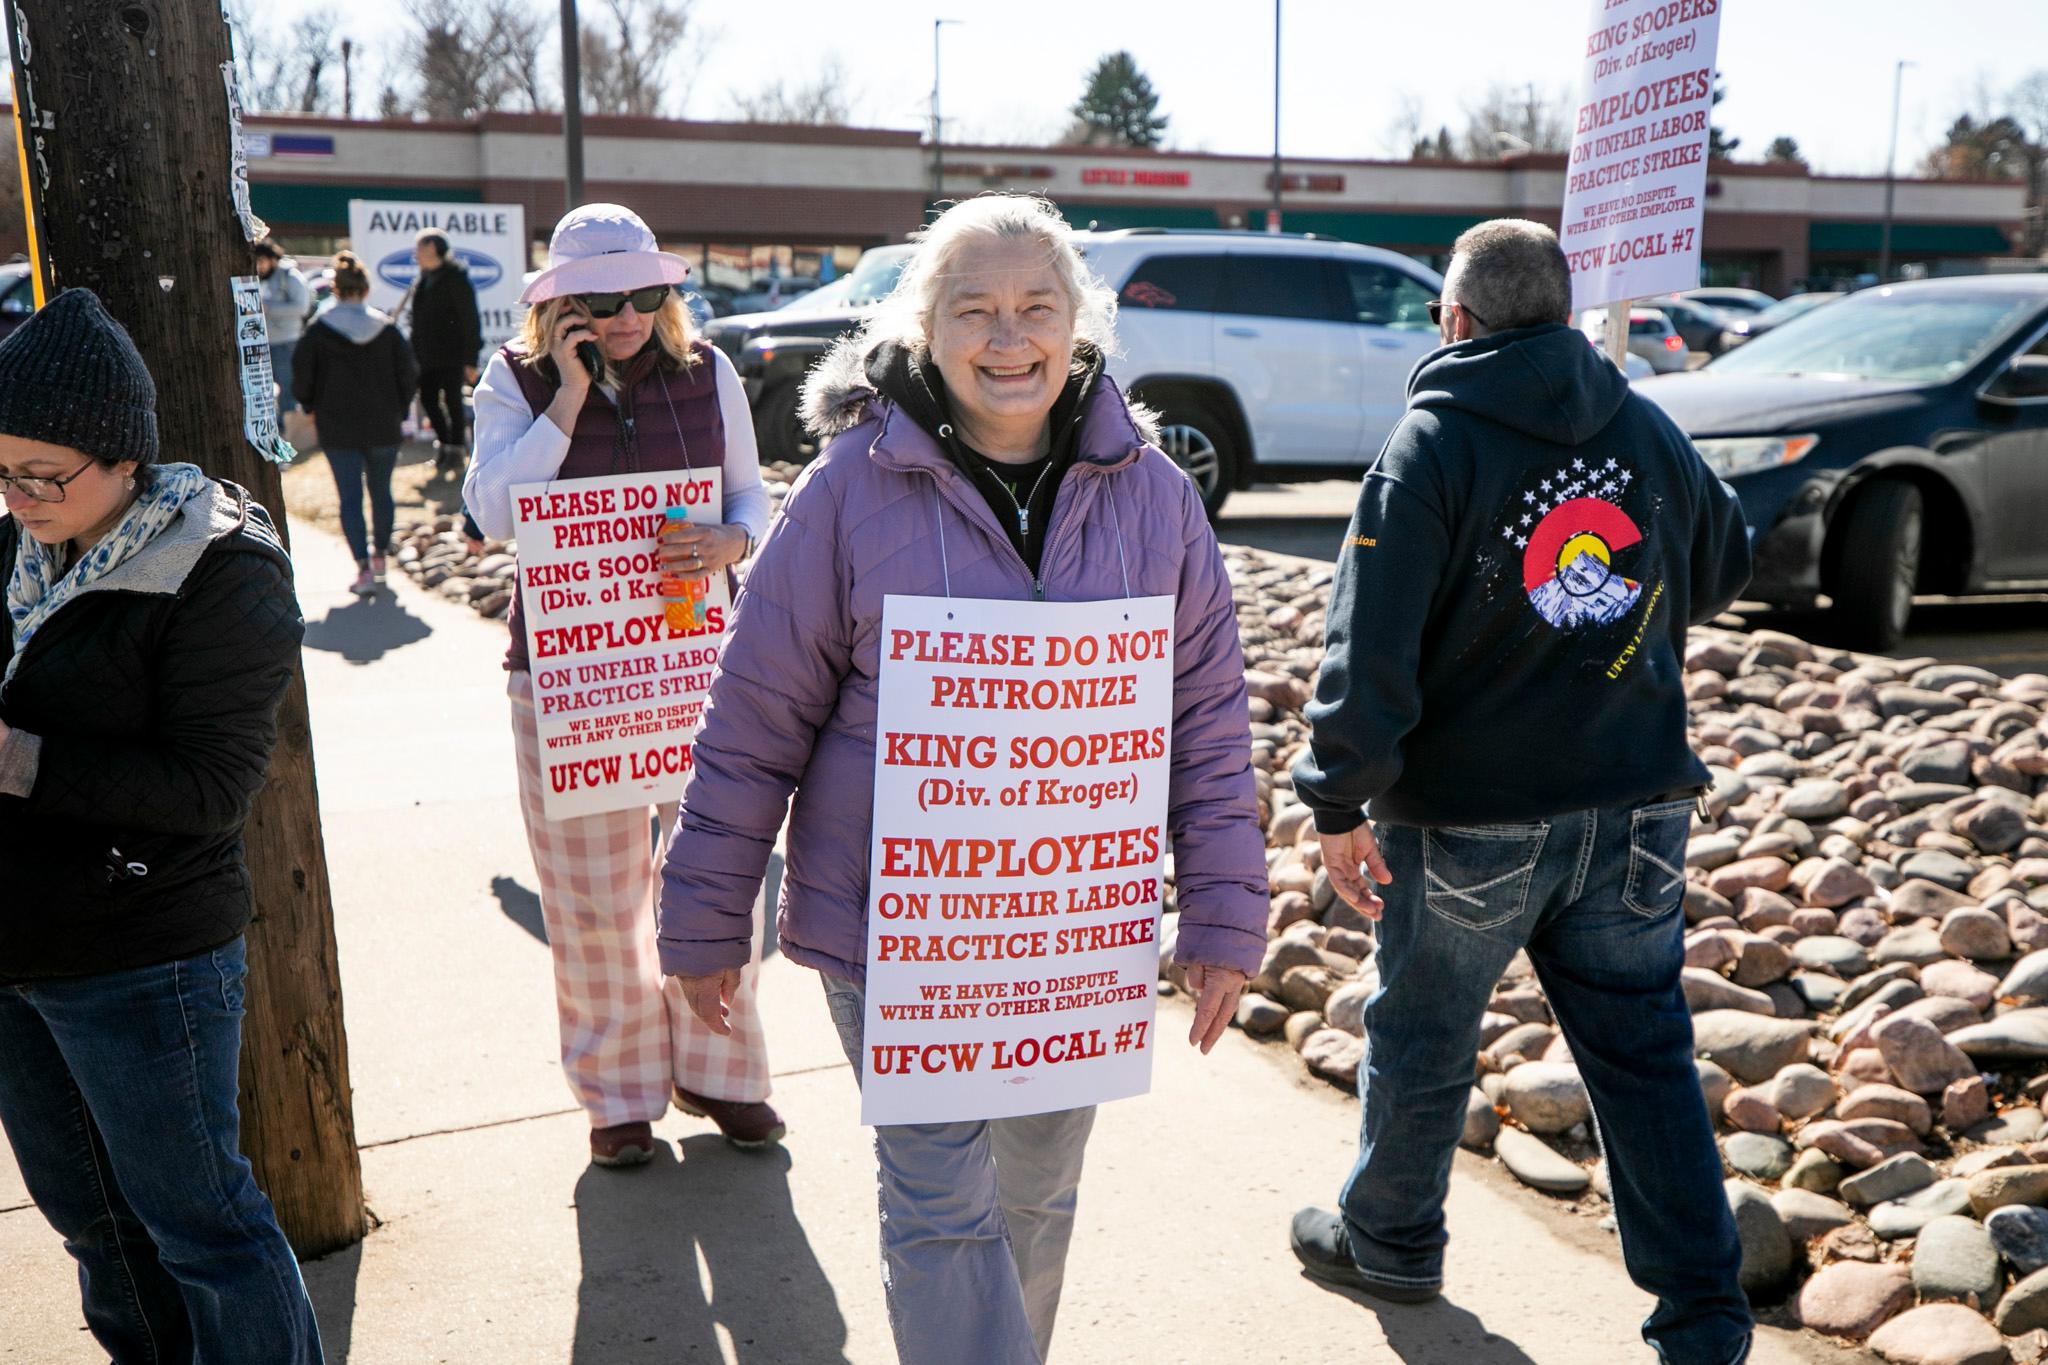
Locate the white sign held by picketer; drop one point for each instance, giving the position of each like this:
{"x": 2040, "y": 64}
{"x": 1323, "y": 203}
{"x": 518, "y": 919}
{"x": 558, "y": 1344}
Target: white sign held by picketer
{"x": 618, "y": 688}
{"x": 1636, "y": 179}
{"x": 1022, "y": 753}
{"x": 488, "y": 239}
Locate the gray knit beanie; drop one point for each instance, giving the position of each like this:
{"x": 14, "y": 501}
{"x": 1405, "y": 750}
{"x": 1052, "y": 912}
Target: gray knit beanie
{"x": 71, "y": 376}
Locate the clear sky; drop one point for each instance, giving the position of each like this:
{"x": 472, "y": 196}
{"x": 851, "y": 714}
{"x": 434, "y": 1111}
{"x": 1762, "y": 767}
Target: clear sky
{"x": 1816, "y": 70}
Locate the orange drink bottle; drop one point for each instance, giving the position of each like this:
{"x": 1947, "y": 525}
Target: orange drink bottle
{"x": 678, "y": 595}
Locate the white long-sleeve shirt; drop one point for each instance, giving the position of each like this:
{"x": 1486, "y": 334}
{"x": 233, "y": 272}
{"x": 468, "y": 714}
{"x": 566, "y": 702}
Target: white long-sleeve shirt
{"x": 513, "y": 446}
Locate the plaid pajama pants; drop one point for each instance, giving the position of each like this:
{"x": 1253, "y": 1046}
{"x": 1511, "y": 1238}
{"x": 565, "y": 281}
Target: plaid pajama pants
{"x": 626, "y": 1033}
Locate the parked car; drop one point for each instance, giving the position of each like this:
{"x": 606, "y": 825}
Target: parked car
{"x": 771, "y": 292}
{"x": 1702, "y": 328}
{"x": 1730, "y": 301}
{"x": 772, "y": 350}
{"x": 1651, "y": 335}
{"x": 1266, "y": 355}
{"x": 1892, "y": 443}
{"x": 1783, "y": 311}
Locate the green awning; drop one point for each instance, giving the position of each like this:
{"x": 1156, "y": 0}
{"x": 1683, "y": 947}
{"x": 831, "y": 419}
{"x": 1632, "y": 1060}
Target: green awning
{"x": 1379, "y": 229}
{"x": 325, "y": 204}
{"x": 1932, "y": 239}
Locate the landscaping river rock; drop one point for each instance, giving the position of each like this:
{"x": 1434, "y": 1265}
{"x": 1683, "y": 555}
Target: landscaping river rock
{"x": 1866, "y": 950}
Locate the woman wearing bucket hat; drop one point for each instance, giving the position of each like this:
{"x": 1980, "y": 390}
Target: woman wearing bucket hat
{"x": 150, "y": 632}
{"x": 606, "y": 378}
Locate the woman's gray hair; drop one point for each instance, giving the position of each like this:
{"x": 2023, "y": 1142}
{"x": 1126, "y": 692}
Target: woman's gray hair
{"x": 905, "y": 316}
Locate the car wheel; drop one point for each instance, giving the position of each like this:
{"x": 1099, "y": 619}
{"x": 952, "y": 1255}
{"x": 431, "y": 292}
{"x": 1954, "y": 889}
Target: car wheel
{"x": 780, "y": 430}
{"x": 1878, "y": 567}
{"x": 1196, "y": 439}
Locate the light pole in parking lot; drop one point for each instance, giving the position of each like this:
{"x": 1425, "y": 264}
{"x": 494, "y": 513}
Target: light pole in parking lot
{"x": 1273, "y": 215}
{"x": 938, "y": 129}
{"x": 1884, "y": 233}
{"x": 572, "y": 107}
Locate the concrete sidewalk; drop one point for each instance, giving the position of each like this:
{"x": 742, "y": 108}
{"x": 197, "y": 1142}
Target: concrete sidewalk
{"x": 497, "y": 1242}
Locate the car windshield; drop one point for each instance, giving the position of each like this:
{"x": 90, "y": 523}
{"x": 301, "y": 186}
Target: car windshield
{"x": 825, "y": 298}
{"x": 875, "y": 275}
{"x": 1884, "y": 334}
{"x": 1784, "y": 310}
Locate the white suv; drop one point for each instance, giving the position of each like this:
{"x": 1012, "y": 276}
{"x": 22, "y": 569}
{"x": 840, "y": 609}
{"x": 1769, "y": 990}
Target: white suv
{"x": 1264, "y": 352}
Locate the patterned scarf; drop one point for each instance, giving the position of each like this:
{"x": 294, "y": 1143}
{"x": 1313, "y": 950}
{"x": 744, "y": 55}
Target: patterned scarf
{"x": 38, "y": 588}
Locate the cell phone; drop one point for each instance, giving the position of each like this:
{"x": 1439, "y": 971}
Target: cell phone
{"x": 587, "y": 352}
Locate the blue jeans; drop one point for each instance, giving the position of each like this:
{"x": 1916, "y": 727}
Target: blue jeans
{"x": 976, "y": 1220}
{"x": 351, "y": 468}
{"x": 281, "y": 371}
{"x": 118, "y": 1094}
{"x": 1595, "y": 897}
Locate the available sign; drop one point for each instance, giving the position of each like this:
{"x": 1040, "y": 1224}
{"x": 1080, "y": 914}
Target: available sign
{"x": 1013, "y": 889}
{"x": 1635, "y": 184}
{"x": 489, "y": 240}
{"x": 617, "y": 691}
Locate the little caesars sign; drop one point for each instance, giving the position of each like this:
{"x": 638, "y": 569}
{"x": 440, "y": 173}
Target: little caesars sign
{"x": 489, "y": 240}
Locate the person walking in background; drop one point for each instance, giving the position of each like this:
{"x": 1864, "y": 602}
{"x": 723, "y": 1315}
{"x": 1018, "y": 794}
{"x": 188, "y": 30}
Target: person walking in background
{"x": 287, "y": 301}
{"x": 966, "y": 418}
{"x": 650, "y": 396}
{"x": 354, "y": 373}
{"x": 150, "y": 633}
{"x": 448, "y": 338}
{"x": 1503, "y": 697}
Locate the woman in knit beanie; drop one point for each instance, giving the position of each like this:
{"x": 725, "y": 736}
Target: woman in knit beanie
{"x": 150, "y": 632}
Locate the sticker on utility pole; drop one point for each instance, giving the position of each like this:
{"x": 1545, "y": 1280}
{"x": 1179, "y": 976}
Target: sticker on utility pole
{"x": 259, "y": 385}
{"x": 1636, "y": 180}
{"x": 238, "y": 160}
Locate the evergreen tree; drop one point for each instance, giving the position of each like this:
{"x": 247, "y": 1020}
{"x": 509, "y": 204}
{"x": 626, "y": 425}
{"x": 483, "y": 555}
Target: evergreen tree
{"x": 1119, "y": 107}
{"x": 1785, "y": 151}
{"x": 1720, "y": 146}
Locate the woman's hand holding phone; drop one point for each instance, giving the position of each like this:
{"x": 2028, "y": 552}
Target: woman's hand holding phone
{"x": 572, "y": 335}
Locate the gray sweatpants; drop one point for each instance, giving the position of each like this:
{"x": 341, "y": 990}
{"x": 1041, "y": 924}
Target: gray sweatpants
{"x": 976, "y": 1218}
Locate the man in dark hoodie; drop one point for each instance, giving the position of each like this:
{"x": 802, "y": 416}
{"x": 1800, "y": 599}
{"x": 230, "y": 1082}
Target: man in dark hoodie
{"x": 1503, "y": 697}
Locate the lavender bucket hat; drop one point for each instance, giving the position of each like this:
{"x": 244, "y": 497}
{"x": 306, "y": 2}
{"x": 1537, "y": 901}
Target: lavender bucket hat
{"x": 603, "y": 248}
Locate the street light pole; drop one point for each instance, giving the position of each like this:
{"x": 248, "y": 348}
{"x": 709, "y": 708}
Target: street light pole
{"x": 1273, "y": 217}
{"x": 1884, "y": 237}
{"x": 572, "y": 106}
{"x": 938, "y": 128}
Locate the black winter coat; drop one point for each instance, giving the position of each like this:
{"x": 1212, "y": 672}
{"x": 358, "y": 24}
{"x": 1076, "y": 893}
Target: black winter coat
{"x": 154, "y": 694}
{"x": 357, "y": 391}
{"x": 446, "y": 331}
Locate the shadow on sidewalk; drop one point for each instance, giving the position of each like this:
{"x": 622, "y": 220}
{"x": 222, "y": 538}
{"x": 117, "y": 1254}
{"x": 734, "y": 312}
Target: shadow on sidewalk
{"x": 366, "y": 629}
{"x": 520, "y": 905}
{"x": 1436, "y": 1333}
{"x": 331, "y": 1285}
{"x": 677, "y": 1255}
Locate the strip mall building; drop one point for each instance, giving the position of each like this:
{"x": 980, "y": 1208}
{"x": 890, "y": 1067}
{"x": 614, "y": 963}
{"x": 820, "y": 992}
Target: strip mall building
{"x": 747, "y": 200}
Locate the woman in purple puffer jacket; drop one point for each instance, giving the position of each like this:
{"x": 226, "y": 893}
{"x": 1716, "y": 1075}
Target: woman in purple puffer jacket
{"x": 975, "y": 449}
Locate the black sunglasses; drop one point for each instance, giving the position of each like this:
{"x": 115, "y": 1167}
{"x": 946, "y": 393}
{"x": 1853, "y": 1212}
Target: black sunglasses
{"x": 609, "y": 305}
{"x": 1436, "y": 312}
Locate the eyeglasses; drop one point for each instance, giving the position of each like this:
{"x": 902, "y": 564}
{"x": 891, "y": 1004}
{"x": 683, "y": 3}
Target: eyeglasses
{"x": 609, "y": 305}
{"x": 42, "y": 490}
{"x": 1436, "y": 312}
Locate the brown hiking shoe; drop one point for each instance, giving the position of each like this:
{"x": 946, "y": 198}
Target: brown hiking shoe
{"x": 622, "y": 1144}
{"x": 745, "y": 1124}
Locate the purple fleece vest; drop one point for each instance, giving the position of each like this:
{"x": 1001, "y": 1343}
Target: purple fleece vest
{"x": 637, "y": 434}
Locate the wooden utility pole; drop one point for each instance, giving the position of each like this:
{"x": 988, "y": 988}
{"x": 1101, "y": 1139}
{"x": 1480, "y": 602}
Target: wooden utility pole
{"x": 125, "y": 118}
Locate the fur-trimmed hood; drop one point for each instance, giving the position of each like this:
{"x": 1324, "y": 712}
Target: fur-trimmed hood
{"x": 838, "y": 394}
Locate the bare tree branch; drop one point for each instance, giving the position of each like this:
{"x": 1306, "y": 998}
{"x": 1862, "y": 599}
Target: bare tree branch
{"x": 824, "y": 99}
{"x": 636, "y": 51}
{"x": 1514, "y": 118}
